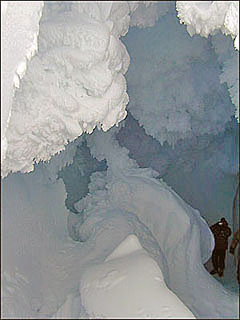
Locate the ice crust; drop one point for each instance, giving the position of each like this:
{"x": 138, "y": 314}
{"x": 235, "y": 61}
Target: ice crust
{"x": 174, "y": 105}
{"x": 72, "y": 85}
{"x": 49, "y": 256}
{"x": 76, "y": 81}
{"x": 205, "y": 17}
{"x": 19, "y": 32}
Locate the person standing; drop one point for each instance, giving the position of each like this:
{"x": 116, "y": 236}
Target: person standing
{"x": 221, "y": 232}
{"x": 233, "y": 245}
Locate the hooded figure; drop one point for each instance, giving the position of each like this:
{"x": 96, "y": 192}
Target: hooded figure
{"x": 233, "y": 245}
{"x": 221, "y": 232}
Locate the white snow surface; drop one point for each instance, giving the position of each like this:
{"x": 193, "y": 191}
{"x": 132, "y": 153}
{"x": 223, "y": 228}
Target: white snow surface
{"x": 19, "y": 33}
{"x": 129, "y": 284}
{"x": 205, "y": 17}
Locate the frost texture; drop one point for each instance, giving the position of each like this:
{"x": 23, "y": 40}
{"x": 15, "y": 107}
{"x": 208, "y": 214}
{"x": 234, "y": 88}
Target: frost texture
{"x": 76, "y": 81}
{"x": 73, "y": 84}
{"x": 19, "y": 33}
{"x": 205, "y": 17}
{"x": 173, "y": 83}
{"x": 148, "y": 12}
{"x": 229, "y": 62}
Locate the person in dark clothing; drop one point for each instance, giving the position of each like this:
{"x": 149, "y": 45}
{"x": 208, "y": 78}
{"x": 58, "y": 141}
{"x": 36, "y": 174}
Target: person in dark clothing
{"x": 221, "y": 232}
{"x": 233, "y": 245}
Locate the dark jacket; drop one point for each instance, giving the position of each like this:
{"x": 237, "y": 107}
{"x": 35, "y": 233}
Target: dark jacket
{"x": 221, "y": 234}
{"x": 235, "y": 242}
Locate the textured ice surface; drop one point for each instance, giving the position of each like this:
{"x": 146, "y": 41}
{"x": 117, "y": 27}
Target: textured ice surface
{"x": 205, "y": 17}
{"x": 76, "y": 81}
{"x": 176, "y": 105}
{"x": 81, "y": 58}
{"x": 211, "y": 160}
{"x": 19, "y": 32}
{"x": 72, "y": 85}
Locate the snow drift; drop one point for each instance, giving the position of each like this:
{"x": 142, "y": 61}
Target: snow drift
{"x": 129, "y": 284}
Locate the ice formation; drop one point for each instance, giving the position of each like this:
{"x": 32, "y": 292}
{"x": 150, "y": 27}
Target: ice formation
{"x": 19, "y": 32}
{"x": 170, "y": 105}
{"x": 52, "y": 258}
{"x": 72, "y": 85}
{"x": 45, "y": 268}
{"x": 205, "y": 17}
{"x": 76, "y": 81}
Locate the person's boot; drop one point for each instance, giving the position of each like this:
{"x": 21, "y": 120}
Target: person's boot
{"x": 213, "y": 271}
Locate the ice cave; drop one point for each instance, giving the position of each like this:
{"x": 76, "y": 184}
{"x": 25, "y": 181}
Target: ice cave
{"x": 119, "y": 150}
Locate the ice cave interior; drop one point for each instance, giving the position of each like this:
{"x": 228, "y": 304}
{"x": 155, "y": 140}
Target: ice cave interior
{"x": 119, "y": 150}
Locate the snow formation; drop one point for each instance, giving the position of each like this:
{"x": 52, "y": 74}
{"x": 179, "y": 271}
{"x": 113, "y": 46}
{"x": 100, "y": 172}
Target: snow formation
{"x": 205, "y": 17}
{"x": 181, "y": 233}
{"x": 175, "y": 105}
{"x": 130, "y": 284}
{"x": 73, "y": 84}
{"x": 76, "y": 81}
{"x": 43, "y": 269}
{"x": 19, "y": 32}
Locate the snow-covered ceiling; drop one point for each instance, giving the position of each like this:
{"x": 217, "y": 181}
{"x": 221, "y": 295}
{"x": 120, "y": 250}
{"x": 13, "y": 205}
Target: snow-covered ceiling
{"x": 75, "y": 82}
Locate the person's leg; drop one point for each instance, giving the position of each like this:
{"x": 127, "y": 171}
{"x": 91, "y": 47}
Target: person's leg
{"x": 214, "y": 262}
{"x": 221, "y": 266}
{"x": 238, "y": 271}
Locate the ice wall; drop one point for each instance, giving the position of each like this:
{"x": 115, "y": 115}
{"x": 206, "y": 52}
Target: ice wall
{"x": 173, "y": 82}
{"x": 206, "y": 18}
{"x": 76, "y": 82}
{"x": 201, "y": 170}
{"x": 19, "y": 32}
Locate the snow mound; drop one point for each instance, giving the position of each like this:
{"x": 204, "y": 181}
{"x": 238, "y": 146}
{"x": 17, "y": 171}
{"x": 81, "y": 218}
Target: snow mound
{"x": 129, "y": 284}
{"x": 205, "y": 17}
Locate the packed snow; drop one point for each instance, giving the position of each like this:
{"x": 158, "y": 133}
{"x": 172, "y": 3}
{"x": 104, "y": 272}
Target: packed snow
{"x": 129, "y": 283}
{"x": 107, "y": 217}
